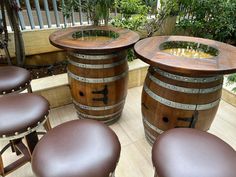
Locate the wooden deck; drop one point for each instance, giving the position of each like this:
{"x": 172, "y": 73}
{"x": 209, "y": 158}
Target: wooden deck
{"x": 135, "y": 160}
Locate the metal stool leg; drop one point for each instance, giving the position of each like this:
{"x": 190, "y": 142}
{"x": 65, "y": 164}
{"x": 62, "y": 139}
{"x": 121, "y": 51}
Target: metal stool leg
{"x": 29, "y": 89}
{"x": 13, "y": 146}
{"x": 19, "y": 146}
{"x": 1, "y": 166}
{"x": 32, "y": 140}
{"x": 47, "y": 125}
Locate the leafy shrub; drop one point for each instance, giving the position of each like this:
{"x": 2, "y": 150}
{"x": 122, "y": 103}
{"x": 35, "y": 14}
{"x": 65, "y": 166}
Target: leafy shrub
{"x": 214, "y": 19}
{"x": 134, "y": 15}
{"x": 130, "y": 7}
{"x": 231, "y": 79}
{"x": 98, "y": 9}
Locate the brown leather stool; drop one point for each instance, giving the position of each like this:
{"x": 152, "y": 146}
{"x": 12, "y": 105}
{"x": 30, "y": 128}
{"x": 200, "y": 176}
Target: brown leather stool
{"x": 14, "y": 79}
{"x": 20, "y": 116}
{"x": 192, "y": 153}
{"x": 79, "y": 148}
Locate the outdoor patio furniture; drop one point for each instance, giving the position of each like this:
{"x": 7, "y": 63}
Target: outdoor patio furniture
{"x": 188, "y": 152}
{"x": 184, "y": 83}
{"x": 77, "y": 148}
{"x": 14, "y": 80}
{"x": 21, "y": 116}
{"x": 97, "y": 68}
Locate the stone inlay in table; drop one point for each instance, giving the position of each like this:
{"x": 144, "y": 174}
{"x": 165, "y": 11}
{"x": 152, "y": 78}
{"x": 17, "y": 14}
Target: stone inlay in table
{"x": 184, "y": 82}
{"x": 95, "y": 35}
{"x": 189, "y": 49}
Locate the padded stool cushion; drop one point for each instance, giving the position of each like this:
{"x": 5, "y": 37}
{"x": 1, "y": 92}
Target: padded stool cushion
{"x": 12, "y": 78}
{"x": 79, "y": 148}
{"x": 192, "y": 153}
{"x": 21, "y": 111}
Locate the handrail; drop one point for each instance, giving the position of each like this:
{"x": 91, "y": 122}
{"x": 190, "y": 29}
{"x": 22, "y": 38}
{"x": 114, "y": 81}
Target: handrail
{"x": 45, "y": 14}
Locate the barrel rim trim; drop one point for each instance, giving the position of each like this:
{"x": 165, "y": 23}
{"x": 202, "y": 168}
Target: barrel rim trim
{"x": 99, "y": 117}
{"x": 177, "y": 105}
{"x": 187, "y": 79}
{"x": 97, "y": 56}
{"x": 156, "y": 129}
{"x": 96, "y": 66}
{"x": 98, "y": 108}
{"x": 184, "y": 89}
{"x": 97, "y": 80}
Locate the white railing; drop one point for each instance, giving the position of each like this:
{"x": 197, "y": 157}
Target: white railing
{"x": 43, "y": 14}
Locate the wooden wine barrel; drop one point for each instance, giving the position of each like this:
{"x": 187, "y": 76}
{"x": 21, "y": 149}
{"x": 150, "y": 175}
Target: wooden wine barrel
{"x": 184, "y": 82}
{"x": 97, "y": 69}
{"x": 98, "y": 85}
{"x": 172, "y": 101}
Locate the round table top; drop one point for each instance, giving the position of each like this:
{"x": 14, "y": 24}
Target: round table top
{"x": 224, "y": 62}
{"x": 64, "y": 39}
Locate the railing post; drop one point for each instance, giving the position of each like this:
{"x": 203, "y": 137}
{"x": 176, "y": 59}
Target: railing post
{"x": 45, "y": 3}
{"x": 21, "y": 18}
{"x": 73, "y": 17}
{"x": 54, "y": 2}
{"x": 64, "y": 17}
{"x": 29, "y": 13}
{"x": 80, "y": 13}
{"x": 39, "y": 14}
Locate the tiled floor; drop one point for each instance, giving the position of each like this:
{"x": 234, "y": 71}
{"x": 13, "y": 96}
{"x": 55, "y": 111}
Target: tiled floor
{"x": 135, "y": 160}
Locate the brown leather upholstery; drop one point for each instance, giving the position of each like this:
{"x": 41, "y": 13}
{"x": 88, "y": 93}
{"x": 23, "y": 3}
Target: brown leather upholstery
{"x": 192, "y": 153}
{"x": 21, "y": 111}
{"x": 79, "y": 148}
{"x": 13, "y": 78}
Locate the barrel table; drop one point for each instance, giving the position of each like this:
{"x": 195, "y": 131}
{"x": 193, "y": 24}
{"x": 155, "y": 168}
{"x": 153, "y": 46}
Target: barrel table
{"x": 97, "y": 68}
{"x": 184, "y": 81}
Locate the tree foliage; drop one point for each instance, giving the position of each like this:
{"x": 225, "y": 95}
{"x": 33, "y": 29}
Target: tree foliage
{"x": 214, "y": 19}
{"x": 98, "y": 9}
{"x": 231, "y": 79}
{"x": 133, "y": 14}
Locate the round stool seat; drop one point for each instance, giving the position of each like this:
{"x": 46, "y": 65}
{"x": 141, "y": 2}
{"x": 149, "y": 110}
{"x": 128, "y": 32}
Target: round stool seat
{"x": 13, "y": 78}
{"x": 21, "y": 113}
{"x": 79, "y": 148}
{"x": 192, "y": 153}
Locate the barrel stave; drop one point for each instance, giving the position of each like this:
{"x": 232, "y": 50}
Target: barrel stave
{"x": 165, "y": 106}
{"x": 98, "y": 86}
{"x": 85, "y": 93}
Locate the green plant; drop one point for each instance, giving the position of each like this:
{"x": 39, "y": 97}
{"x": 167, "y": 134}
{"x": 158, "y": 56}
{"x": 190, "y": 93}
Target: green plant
{"x": 152, "y": 4}
{"x": 231, "y": 79}
{"x": 135, "y": 15}
{"x": 214, "y": 19}
{"x": 131, "y": 7}
{"x": 133, "y": 23}
{"x": 168, "y": 8}
{"x": 98, "y": 9}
